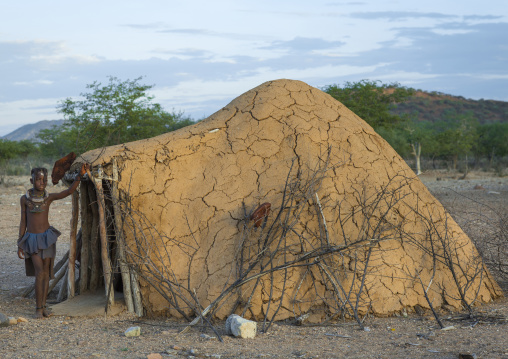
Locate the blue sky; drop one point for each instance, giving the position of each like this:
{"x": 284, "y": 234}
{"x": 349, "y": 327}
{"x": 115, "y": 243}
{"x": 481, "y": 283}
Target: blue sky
{"x": 199, "y": 55}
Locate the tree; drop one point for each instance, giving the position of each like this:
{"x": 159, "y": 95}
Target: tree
{"x": 420, "y": 134}
{"x": 492, "y": 140}
{"x": 458, "y": 136}
{"x": 372, "y": 100}
{"x": 118, "y": 112}
{"x": 14, "y": 149}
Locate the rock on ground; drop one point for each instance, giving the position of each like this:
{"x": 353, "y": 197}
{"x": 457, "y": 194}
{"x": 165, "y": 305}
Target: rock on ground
{"x": 240, "y": 327}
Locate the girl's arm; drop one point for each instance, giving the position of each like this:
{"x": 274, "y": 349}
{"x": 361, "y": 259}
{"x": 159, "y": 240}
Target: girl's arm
{"x": 22, "y": 224}
{"x": 72, "y": 188}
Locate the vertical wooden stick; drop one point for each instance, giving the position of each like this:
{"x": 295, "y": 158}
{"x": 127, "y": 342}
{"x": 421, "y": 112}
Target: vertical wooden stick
{"x": 106, "y": 264}
{"x": 63, "y": 288}
{"x": 58, "y": 276}
{"x": 85, "y": 238}
{"x": 138, "y": 305}
{"x": 124, "y": 268}
{"x": 61, "y": 262}
{"x": 72, "y": 248}
{"x": 94, "y": 239}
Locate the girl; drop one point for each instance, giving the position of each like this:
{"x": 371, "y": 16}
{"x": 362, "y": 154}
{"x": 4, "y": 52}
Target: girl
{"x": 36, "y": 242}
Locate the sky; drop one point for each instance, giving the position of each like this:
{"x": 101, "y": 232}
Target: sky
{"x": 200, "y": 55}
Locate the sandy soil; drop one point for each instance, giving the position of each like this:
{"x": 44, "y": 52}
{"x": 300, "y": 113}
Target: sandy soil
{"x": 414, "y": 336}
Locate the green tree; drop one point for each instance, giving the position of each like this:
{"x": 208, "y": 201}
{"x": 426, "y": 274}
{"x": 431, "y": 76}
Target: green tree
{"x": 458, "y": 136}
{"x": 421, "y": 138}
{"x": 397, "y": 138}
{"x": 492, "y": 140}
{"x": 117, "y": 112}
{"x": 372, "y": 100}
{"x": 14, "y": 149}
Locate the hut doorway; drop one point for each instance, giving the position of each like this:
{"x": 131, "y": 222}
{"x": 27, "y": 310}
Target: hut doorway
{"x": 103, "y": 278}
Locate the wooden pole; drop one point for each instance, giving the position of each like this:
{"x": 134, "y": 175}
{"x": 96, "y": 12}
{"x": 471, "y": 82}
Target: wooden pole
{"x": 61, "y": 262}
{"x": 85, "y": 238}
{"x": 94, "y": 240}
{"x": 138, "y": 305}
{"x": 72, "y": 248}
{"x": 61, "y": 272}
{"x": 120, "y": 241}
{"x": 63, "y": 288}
{"x": 106, "y": 264}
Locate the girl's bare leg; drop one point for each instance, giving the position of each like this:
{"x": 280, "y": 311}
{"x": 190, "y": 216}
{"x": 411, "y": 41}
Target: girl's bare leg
{"x": 39, "y": 285}
{"x": 47, "y": 269}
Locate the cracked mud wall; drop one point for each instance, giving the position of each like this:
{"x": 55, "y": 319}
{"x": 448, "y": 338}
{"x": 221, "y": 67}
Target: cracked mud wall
{"x": 191, "y": 185}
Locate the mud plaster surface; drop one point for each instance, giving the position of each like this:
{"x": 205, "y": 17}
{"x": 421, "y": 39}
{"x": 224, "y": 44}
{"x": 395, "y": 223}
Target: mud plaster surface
{"x": 197, "y": 180}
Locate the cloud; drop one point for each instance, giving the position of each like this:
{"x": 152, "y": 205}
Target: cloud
{"x": 399, "y": 15}
{"x": 19, "y": 113}
{"x": 300, "y": 45}
{"x": 185, "y": 52}
{"x": 27, "y": 49}
{"x": 147, "y": 26}
{"x": 33, "y": 83}
{"x": 454, "y": 62}
{"x": 483, "y": 17}
{"x": 345, "y": 3}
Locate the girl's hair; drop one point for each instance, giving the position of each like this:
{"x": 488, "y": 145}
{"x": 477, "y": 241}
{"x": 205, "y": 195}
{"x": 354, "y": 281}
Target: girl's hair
{"x": 37, "y": 170}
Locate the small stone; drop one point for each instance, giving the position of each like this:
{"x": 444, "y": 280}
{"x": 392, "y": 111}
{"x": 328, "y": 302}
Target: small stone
{"x": 13, "y": 321}
{"x": 419, "y": 310}
{"x": 166, "y": 332}
{"x": 367, "y": 329}
{"x": 133, "y": 332}
{"x": 451, "y": 327}
{"x": 240, "y": 327}
{"x": 154, "y": 356}
{"x": 65, "y": 323}
{"x": 176, "y": 347}
{"x": 22, "y": 320}
{"x": 207, "y": 337}
{"x": 479, "y": 186}
{"x": 302, "y": 319}
{"x": 4, "y": 320}
{"x": 214, "y": 356}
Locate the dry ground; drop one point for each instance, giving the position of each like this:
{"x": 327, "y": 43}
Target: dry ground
{"x": 414, "y": 336}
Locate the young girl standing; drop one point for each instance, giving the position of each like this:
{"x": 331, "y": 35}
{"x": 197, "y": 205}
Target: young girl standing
{"x": 36, "y": 242}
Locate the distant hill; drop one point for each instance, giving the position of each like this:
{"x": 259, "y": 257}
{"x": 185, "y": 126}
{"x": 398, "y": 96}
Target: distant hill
{"x": 29, "y": 131}
{"x": 436, "y": 106}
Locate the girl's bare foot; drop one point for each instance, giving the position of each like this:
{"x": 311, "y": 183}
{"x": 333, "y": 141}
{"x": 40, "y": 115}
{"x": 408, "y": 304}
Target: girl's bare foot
{"x": 39, "y": 313}
{"x": 46, "y": 312}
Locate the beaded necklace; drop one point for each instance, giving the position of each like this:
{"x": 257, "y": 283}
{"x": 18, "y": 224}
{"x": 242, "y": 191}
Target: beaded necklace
{"x": 36, "y": 200}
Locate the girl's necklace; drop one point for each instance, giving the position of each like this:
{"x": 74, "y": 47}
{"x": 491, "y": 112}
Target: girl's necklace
{"x": 37, "y": 200}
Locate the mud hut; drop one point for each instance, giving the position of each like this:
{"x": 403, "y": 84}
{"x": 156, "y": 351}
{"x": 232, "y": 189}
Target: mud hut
{"x": 350, "y": 229}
